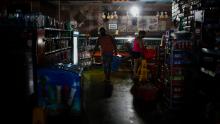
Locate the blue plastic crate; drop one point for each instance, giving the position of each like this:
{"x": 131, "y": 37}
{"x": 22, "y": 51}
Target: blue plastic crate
{"x": 116, "y": 61}
{"x": 56, "y": 86}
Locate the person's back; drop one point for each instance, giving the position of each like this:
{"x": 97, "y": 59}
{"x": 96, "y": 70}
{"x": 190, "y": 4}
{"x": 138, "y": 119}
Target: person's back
{"x": 136, "y": 45}
{"x": 108, "y": 48}
{"x": 107, "y": 45}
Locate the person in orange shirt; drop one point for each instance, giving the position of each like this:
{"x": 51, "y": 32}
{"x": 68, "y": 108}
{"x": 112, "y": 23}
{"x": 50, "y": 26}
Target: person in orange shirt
{"x": 108, "y": 49}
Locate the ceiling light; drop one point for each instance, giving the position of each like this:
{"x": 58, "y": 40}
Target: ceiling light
{"x": 134, "y": 11}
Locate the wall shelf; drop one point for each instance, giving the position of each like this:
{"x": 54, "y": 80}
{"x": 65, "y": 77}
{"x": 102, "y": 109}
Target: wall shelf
{"x": 56, "y": 38}
{"x": 57, "y": 50}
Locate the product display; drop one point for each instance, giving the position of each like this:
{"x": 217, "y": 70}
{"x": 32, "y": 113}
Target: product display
{"x": 178, "y": 58}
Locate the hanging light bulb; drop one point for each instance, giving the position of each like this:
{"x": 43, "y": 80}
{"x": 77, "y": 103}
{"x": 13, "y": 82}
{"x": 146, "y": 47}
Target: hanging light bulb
{"x": 108, "y": 16}
{"x": 165, "y": 15}
{"x": 158, "y": 14}
{"x": 162, "y": 15}
{"x": 115, "y": 15}
{"x": 112, "y": 16}
{"x": 103, "y": 15}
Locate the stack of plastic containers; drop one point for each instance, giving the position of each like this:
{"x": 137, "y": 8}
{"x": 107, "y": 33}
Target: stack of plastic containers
{"x": 59, "y": 90}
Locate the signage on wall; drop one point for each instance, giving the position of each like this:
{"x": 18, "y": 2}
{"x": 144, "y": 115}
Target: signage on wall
{"x": 112, "y": 26}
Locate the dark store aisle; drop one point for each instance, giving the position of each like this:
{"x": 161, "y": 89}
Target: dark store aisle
{"x": 109, "y": 103}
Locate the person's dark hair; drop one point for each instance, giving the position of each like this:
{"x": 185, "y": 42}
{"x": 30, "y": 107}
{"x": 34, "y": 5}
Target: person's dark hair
{"x": 102, "y": 31}
{"x": 141, "y": 33}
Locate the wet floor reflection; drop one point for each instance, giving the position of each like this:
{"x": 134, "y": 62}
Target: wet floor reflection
{"x": 108, "y": 90}
{"x": 110, "y": 103}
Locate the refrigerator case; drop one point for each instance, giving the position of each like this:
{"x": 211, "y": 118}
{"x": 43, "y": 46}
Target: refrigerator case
{"x": 59, "y": 82}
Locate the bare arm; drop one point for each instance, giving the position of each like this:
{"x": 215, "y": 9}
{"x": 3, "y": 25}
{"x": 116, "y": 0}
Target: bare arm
{"x": 141, "y": 47}
{"x": 140, "y": 43}
{"x": 96, "y": 46}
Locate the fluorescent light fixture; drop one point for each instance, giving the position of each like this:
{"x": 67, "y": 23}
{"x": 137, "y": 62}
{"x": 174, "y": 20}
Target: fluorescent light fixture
{"x": 76, "y": 32}
{"x": 134, "y": 11}
{"x": 130, "y": 39}
{"x": 40, "y": 40}
{"x": 75, "y": 51}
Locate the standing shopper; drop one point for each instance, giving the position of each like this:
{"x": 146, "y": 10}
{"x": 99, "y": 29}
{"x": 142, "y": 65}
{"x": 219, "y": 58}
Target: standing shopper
{"x": 138, "y": 51}
{"x": 108, "y": 49}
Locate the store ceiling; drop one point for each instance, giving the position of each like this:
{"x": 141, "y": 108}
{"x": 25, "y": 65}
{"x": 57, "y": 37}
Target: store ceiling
{"x": 148, "y": 5}
{"x": 77, "y": 2}
{"x": 155, "y": 0}
{"x": 87, "y": 13}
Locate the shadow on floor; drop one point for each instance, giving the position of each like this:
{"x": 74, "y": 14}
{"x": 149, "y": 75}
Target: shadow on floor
{"x": 108, "y": 90}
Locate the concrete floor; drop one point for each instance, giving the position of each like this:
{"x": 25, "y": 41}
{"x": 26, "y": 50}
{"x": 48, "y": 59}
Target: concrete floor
{"x": 110, "y": 103}
{"x": 113, "y": 103}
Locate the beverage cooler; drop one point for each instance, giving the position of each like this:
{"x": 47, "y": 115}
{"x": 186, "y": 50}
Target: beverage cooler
{"x": 59, "y": 80}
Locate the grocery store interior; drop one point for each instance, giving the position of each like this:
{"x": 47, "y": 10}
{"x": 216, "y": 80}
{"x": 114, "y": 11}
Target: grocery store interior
{"x": 53, "y": 73}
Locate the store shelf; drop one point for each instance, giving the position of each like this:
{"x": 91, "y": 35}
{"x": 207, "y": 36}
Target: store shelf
{"x": 57, "y": 50}
{"x": 177, "y": 61}
{"x": 208, "y": 72}
{"x": 55, "y": 29}
{"x": 85, "y": 58}
{"x": 211, "y": 52}
{"x": 57, "y": 38}
{"x": 178, "y": 83}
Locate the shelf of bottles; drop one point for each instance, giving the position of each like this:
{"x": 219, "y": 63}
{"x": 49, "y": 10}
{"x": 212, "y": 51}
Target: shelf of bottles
{"x": 54, "y": 38}
{"x": 57, "y": 40}
{"x": 178, "y": 52}
{"x": 207, "y": 35}
{"x": 85, "y": 58}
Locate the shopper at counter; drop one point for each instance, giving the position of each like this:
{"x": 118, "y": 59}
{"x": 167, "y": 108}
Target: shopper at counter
{"x": 138, "y": 51}
{"x": 108, "y": 49}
